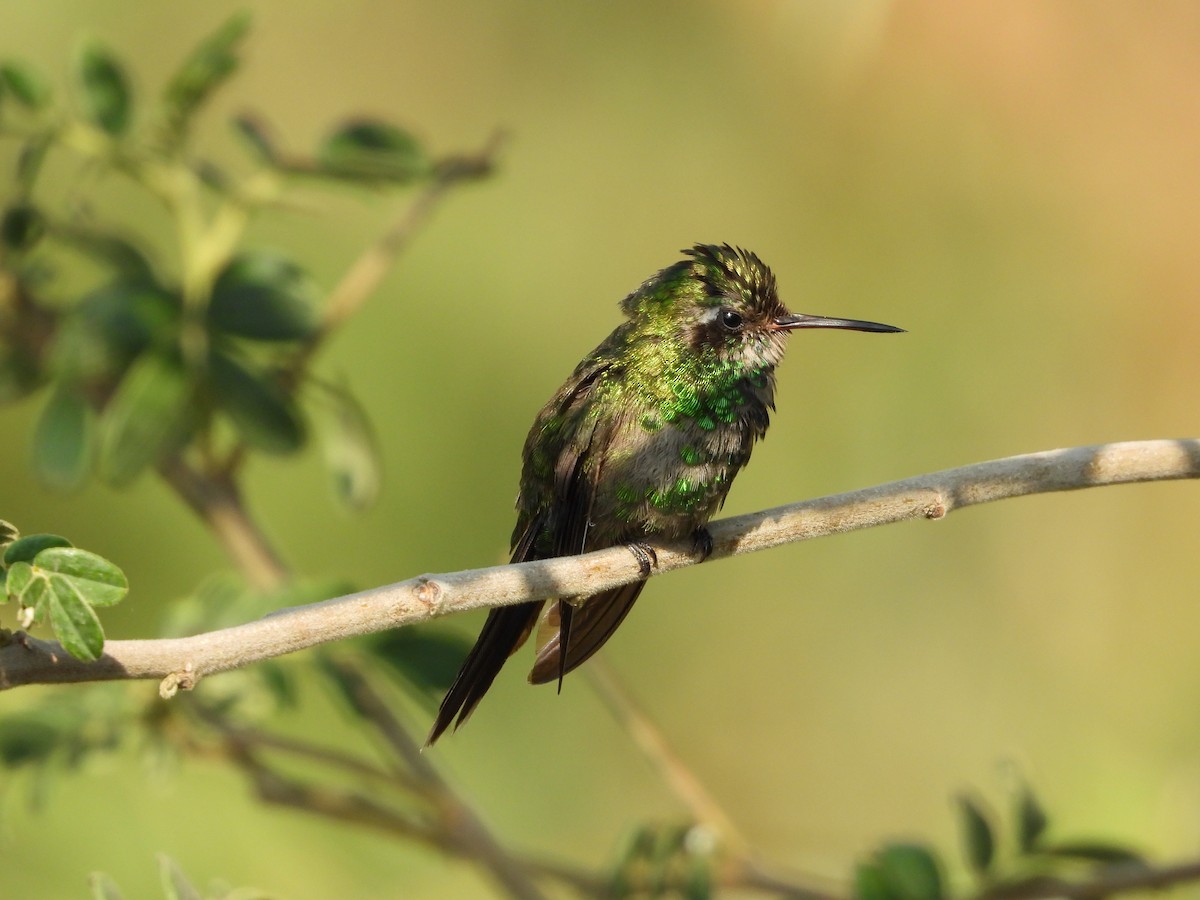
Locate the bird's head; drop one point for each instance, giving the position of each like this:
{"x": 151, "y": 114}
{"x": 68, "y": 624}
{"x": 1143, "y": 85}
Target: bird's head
{"x": 723, "y": 302}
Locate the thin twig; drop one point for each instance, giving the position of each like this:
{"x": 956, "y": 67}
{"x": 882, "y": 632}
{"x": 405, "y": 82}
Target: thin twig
{"x": 219, "y": 506}
{"x": 1119, "y": 879}
{"x": 463, "y": 827}
{"x": 256, "y": 739}
{"x": 357, "y": 809}
{"x": 647, "y": 737}
{"x": 369, "y": 269}
{"x": 181, "y": 661}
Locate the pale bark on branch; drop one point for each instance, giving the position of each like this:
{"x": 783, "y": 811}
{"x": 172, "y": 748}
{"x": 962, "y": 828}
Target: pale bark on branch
{"x": 180, "y": 662}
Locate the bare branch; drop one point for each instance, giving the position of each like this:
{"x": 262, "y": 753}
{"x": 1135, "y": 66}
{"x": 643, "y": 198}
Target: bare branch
{"x": 181, "y": 661}
{"x": 1120, "y": 879}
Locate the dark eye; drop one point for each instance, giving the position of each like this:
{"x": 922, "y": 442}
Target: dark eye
{"x": 731, "y": 320}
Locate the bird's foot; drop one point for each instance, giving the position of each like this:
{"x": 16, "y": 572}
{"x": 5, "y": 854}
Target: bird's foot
{"x": 645, "y": 556}
{"x": 702, "y": 543}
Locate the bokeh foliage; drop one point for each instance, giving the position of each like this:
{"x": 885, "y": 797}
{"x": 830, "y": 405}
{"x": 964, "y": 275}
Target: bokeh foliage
{"x": 1012, "y": 184}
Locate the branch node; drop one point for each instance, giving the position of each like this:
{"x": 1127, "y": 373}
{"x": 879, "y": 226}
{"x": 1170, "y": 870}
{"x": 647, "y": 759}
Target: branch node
{"x": 428, "y": 593}
{"x": 935, "y": 509}
{"x": 183, "y": 680}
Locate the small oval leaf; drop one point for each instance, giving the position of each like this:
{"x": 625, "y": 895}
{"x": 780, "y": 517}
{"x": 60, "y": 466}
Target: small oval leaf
{"x": 265, "y": 297}
{"x": 1031, "y": 820}
{"x": 213, "y": 61}
{"x": 175, "y": 884}
{"x": 26, "y": 548}
{"x": 264, "y": 415}
{"x": 979, "y": 843}
{"x": 21, "y": 227}
{"x": 103, "y": 887}
{"x": 870, "y": 883}
{"x": 104, "y": 90}
{"x": 373, "y": 150}
{"x": 98, "y": 581}
{"x": 26, "y": 84}
{"x": 911, "y": 872}
{"x": 257, "y": 137}
{"x": 147, "y": 415}
{"x": 349, "y": 446}
{"x": 18, "y": 579}
{"x": 62, "y": 441}
{"x": 74, "y": 622}
{"x": 113, "y": 325}
{"x": 27, "y": 738}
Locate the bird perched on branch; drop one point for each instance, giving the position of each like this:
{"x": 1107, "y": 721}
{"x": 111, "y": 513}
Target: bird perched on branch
{"x": 642, "y": 442}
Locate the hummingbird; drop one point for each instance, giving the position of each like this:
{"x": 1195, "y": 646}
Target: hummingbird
{"x": 641, "y": 443}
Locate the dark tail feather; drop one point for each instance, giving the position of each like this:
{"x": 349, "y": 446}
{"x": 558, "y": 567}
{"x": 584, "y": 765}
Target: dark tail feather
{"x": 566, "y": 612}
{"x": 505, "y": 630}
{"x": 593, "y": 622}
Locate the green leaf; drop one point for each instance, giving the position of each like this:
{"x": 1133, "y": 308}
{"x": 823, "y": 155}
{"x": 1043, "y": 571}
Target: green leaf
{"x": 21, "y": 372}
{"x": 264, "y": 414}
{"x": 21, "y": 585}
{"x": 870, "y": 883}
{"x": 147, "y": 415}
{"x": 265, "y": 297}
{"x": 134, "y": 268}
{"x": 425, "y": 658}
{"x": 29, "y": 160}
{"x": 74, "y": 622}
{"x": 62, "y": 441}
{"x": 175, "y": 884}
{"x": 113, "y": 326}
{"x": 1031, "y": 820}
{"x": 104, "y": 89}
{"x": 701, "y": 877}
{"x": 21, "y": 227}
{"x": 210, "y": 64}
{"x": 349, "y": 447}
{"x": 910, "y": 871}
{"x": 26, "y": 738}
{"x": 979, "y": 844}
{"x": 96, "y": 580}
{"x": 27, "y": 548}
{"x": 372, "y": 150}
{"x": 253, "y": 131}
{"x": 26, "y": 84}
{"x": 103, "y": 887}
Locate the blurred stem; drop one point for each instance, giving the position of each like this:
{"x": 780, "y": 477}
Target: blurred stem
{"x": 464, "y": 828}
{"x": 647, "y": 737}
{"x": 219, "y": 505}
{"x": 1116, "y": 880}
{"x": 368, "y": 270}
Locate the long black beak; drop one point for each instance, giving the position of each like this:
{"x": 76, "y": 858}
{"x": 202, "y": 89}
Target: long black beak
{"x": 787, "y": 323}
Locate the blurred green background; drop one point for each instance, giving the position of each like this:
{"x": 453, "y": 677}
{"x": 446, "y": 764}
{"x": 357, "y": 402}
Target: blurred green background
{"x": 1015, "y": 183}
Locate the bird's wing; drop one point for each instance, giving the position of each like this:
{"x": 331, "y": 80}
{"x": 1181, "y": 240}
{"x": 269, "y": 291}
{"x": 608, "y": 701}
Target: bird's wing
{"x": 554, "y": 526}
{"x": 581, "y": 627}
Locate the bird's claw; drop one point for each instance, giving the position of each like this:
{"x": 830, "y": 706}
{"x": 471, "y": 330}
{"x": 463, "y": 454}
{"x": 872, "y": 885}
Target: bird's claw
{"x": 645, "y": 556}
{"x": 702, "y": 543}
